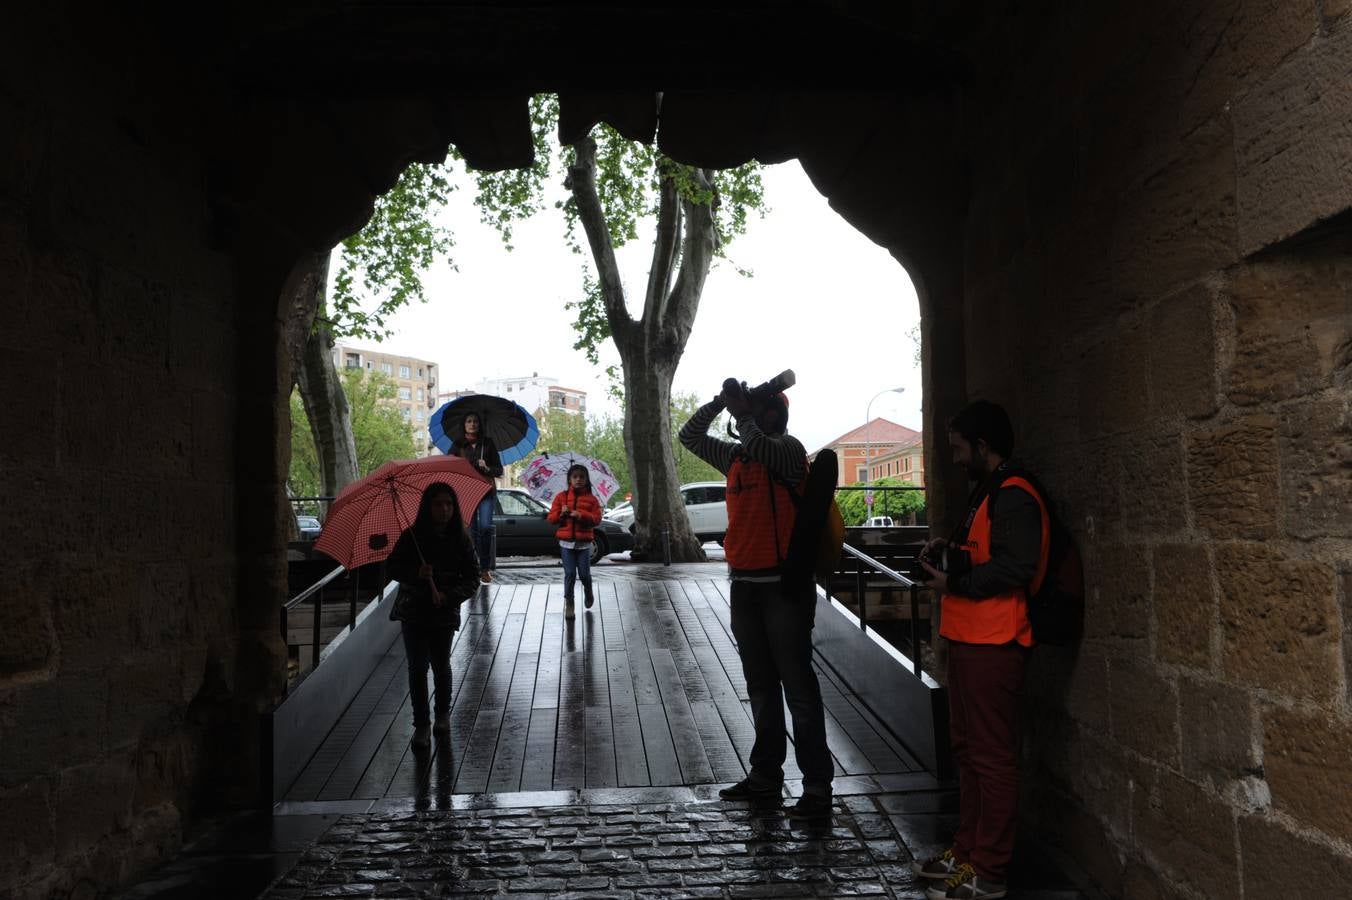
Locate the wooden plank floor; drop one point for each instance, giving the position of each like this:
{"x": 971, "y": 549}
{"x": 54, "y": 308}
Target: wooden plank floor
{"x": 645, "y": 689}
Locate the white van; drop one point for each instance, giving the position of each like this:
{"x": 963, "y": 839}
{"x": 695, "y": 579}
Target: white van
{"x": 879, "y": 522}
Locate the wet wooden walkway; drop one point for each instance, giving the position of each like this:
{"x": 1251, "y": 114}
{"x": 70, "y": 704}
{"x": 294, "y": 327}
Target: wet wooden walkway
{"x": 645, "y": 689}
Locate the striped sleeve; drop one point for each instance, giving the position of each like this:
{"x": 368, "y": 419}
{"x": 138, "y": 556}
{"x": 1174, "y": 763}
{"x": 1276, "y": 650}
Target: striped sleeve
{"x": 695, "y": 437}
{"x": 782, "y": 454}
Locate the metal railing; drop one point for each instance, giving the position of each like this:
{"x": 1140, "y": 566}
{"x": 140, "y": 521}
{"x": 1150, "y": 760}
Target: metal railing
{"x": 319, "y": 588}
{"x": 905, "y": 582}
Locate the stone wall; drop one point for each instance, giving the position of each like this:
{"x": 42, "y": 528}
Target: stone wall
{"x": 120, "y": 652}
{"x": 1160, "y": 289}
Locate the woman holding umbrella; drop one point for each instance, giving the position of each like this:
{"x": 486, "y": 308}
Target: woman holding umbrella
{"x": 433, "y": 561}
{"x": 576, "y": 512}
{"x": 480, "y": 450}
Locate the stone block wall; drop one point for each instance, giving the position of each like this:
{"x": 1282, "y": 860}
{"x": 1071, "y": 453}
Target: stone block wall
{"x": 1159, "y": 287}
{"x": 120, "y": 645}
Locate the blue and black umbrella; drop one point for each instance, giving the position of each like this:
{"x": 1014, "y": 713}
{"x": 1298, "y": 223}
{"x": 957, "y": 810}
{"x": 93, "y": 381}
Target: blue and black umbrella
{"x": 512, "y": 429}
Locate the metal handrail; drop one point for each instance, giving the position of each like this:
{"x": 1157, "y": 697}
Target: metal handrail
{"x": 905, "y": 582}
{"x": 310, "y": 591}
{"x": 318, "y": 588}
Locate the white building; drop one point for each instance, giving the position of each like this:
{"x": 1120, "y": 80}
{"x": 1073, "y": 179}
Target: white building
{"x": 535, "y": 392}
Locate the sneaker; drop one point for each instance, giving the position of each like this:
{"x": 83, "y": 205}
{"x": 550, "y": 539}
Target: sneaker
{"x": 939, "y": 868}
{"x": 443, "y": 725}
{"x": 965, "y": 884}
{"x": 746, "y": 789}
{"x": 421, "y": 737}
{"x": 486, "y": 577}
{"x": 568, "y": 612}
{"x": 811, "y": 806}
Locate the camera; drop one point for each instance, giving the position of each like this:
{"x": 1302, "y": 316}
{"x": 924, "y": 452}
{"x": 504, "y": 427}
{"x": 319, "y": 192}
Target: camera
{"x": 761, "y": 392}
{"x": 948, "y": 559}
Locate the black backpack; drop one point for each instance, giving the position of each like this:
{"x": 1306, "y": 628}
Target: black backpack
{"x": 818, "y": 529}
{"x": 1056, "y": 609}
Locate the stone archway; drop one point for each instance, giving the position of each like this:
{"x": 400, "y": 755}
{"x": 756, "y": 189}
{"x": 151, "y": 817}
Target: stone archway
{"x": 1106, "y": 212}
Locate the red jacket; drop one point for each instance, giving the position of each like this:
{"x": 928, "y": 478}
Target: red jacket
{"x": 575, "y": 529}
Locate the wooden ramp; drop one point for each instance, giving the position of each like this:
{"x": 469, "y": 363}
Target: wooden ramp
{"x": 645, "y": 689}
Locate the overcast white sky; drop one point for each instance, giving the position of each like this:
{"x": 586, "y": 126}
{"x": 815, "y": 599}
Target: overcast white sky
{"x": 824, "y": 301}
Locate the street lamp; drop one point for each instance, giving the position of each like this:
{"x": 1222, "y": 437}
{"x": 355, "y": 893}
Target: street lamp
{"x": 868, "y": 445}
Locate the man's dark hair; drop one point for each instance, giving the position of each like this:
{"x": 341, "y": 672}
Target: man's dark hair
{"x": 987, "y": 421}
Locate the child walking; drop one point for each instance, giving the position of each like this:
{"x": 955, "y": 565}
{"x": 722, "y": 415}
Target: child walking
{"x": 576, "y": 511}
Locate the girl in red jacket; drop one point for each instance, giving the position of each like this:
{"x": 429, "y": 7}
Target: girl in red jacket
{"x": 576, "y": 512}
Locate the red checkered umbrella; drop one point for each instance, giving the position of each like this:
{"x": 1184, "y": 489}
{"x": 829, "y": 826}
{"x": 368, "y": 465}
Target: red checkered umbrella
{"x": 368, "y": 515}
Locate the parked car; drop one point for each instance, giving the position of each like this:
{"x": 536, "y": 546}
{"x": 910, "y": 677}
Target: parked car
{"x": 523, "y": 529}
{"x": 705, "y": 506}
{"x": 878, "y": 522}
{"x": 308, "y": 526}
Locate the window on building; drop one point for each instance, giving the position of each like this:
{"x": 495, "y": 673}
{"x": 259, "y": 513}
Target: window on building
{"x": 419, "y": 414}
{"x": 387, "y": 368}
{"x": 420, "y": 392}
{"x": 405, "y": 412}
{"x": 420, "y": 371}
{"x": 405, "y": 394}
{"x": 405, "y": 372}
{"x": 353, "y": 361}
{"x": 368, "y": 364}
{"x": 509, "y": 388}
{"x": 861, "y": 473}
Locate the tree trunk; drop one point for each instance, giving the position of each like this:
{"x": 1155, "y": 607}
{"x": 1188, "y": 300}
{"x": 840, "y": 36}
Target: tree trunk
{"x": 651, "y": 348}
{"x": 310, "y": 347}
{"x": 321, "y": 392}
{"x": 647, "y": 441}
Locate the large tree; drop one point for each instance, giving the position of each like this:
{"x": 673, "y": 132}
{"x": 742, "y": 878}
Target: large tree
{"x": 615, "y": 185}
{"x": 379, "y": 269}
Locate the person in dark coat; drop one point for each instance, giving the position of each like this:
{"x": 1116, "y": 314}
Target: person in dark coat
{"x": 434, "y": 563}
{"x": 480, "y": 450}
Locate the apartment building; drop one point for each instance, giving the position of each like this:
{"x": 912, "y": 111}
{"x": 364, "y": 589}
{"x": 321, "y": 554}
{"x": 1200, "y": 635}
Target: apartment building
{"x": 415, "y": 385}
{"x": 535, "y": 393}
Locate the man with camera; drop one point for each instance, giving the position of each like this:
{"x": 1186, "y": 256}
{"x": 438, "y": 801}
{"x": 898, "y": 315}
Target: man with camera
{"x": 983, "y": 572}
{"x": 772, "y": 613}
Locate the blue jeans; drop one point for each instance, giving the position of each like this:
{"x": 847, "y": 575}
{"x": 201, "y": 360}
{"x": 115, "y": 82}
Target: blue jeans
{"x": 482, "y": 532}
{"x": 772, "y": 624}
{"x": 576, "y": 562}
{"x": 428, "y": 645}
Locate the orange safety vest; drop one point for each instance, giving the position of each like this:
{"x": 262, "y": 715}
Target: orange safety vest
{"x": 1003, "y": 617}
{"x": 761, "y": 514}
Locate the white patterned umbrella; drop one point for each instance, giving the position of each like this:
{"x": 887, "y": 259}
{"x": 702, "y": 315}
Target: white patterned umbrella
{"x": 547, "y": 475}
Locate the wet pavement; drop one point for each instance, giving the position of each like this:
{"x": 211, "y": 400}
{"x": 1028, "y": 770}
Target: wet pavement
{"x": 598, "y": 842}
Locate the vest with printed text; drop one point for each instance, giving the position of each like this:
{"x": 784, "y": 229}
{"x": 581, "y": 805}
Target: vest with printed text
{"x": 1003, "y": 617}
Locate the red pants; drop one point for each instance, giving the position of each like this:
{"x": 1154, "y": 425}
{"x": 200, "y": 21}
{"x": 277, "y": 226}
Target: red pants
{"x": 983, "y": 704}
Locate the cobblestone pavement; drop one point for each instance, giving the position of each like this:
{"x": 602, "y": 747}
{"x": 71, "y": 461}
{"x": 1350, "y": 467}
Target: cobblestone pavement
{"x": 690, "y": 848}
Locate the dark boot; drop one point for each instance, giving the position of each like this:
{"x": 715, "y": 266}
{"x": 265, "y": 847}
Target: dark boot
{"x": 587, "y": 598}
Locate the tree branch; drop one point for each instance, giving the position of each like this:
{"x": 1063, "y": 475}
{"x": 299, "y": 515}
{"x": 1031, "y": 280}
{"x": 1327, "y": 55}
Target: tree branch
{"x": 582, "y": 182}
{"x": 697, "y": 255}
{"x": 666, "y": 247}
